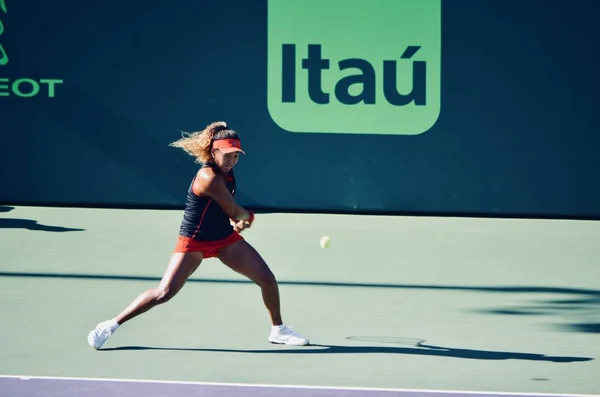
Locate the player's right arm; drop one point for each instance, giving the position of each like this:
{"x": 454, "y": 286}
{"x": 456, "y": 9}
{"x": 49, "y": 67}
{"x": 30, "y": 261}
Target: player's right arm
{"x": 211, "y": 184}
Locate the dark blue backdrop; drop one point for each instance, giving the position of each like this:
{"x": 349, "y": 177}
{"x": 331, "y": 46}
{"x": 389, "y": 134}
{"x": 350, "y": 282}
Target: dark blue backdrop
{"x": 516, "y": 134}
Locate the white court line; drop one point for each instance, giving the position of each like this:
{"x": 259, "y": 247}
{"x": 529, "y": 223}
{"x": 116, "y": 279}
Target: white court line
{"x": 176, "y": 382}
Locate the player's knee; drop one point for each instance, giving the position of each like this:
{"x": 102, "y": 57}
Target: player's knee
{"x": 266, "y": 279}
{"x": 164, "y": 294}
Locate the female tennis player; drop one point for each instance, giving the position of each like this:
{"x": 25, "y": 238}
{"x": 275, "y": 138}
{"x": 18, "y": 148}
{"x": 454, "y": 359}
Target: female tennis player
{"x": 211, "y": 226}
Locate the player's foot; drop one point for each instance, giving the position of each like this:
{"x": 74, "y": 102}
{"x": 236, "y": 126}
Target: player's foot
{"x": 282, "y": 334}
{"x": 101, "y": 333}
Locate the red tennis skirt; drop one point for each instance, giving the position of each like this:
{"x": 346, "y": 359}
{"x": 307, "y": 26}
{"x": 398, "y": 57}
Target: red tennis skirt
{"x": 209, "y": 249}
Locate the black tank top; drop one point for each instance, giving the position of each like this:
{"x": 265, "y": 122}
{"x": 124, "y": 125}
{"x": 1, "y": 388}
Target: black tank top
{"x": 203, "y": 218}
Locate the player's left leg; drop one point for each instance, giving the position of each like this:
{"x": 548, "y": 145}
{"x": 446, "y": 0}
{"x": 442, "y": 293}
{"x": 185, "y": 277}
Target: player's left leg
{"x": 244, "y": 259}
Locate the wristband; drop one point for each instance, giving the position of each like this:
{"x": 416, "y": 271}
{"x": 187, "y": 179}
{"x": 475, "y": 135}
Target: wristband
{"x": 251, "y": 219}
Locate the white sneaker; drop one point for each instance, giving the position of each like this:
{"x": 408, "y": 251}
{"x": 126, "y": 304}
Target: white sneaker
{"x": 285, "y": 335}
{"x": 99, "y": 335}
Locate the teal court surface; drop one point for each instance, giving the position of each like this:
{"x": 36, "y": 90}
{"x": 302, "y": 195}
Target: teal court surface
{"x": 397, "y": 305}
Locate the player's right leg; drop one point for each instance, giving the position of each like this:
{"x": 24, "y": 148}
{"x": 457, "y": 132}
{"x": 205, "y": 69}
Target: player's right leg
{"x": 180, "y": 268}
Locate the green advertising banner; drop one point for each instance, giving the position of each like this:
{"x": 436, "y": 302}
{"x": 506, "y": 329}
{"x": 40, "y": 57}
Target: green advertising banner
{"x": 370, "y": 68}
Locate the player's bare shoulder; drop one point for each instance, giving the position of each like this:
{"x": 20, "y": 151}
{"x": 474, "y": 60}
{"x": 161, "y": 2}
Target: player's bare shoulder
{"x": 206, "y": 179}
{"x": 206, "y": 174}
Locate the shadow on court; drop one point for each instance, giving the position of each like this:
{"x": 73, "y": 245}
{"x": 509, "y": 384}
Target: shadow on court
{"x": 29, "y": 224}
{"x": 422, "y": 350}
{"x": 12, "y": 223}
{"x": 506, "y": 289}
{"x": 587, "y": 306}
{"x": 586, "y": 302}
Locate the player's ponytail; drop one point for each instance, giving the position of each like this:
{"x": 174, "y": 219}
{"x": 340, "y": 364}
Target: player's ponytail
{"x": 199, "y": 143}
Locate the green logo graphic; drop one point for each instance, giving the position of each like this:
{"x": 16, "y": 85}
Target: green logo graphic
{"x": 361, "y": 66}
{"x": 22, "y": 87}
{"x": 3, "y": 54}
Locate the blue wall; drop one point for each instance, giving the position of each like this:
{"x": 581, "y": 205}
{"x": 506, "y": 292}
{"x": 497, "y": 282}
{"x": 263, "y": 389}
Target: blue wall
{"x": 516, "y": 134}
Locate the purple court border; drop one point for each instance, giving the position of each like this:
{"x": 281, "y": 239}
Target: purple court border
{"x": 40, "y": 386}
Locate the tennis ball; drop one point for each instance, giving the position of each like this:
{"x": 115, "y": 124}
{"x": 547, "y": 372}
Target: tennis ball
{"x": 324, "y": 242}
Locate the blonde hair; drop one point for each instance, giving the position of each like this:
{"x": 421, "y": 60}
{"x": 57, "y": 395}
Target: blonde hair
{"x": 199, "y": 143}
